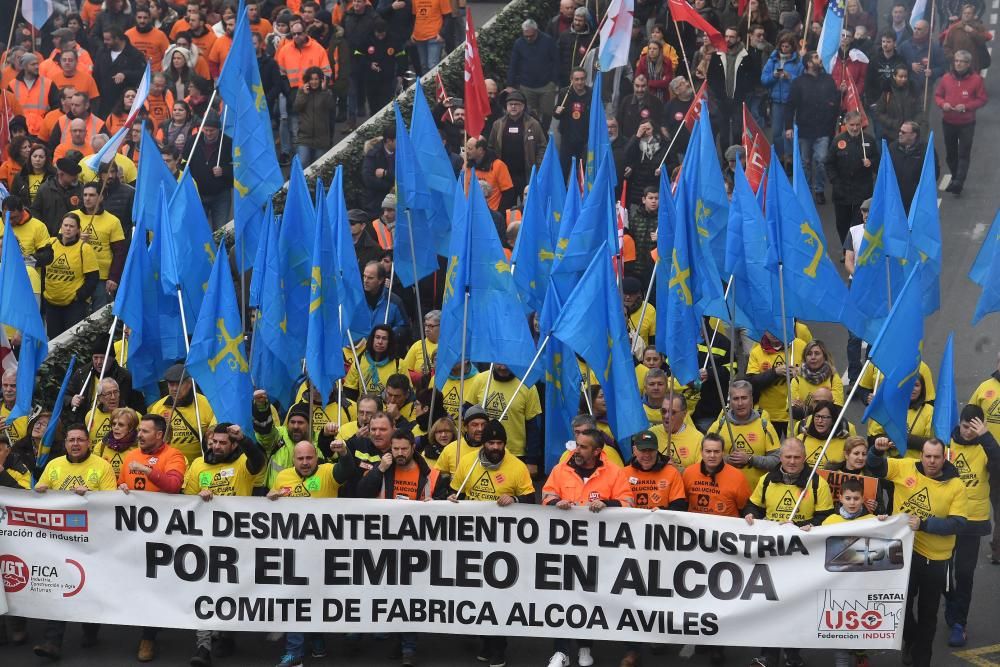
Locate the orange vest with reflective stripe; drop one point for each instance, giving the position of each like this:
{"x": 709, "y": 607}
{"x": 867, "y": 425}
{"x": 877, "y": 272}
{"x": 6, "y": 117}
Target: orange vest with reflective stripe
{"x": 382, "y": 234}
{"x": 34, "y": 101}
{"x": 514, "y": 215}
{"x": 93, "y": 127}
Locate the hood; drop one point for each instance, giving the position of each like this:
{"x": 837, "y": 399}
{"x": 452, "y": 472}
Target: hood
{"x": 949, "y": 471}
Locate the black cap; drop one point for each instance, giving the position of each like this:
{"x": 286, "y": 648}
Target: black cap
{"x": 100, "y": 345}
{"x": 174, "y": 373}
{"x": 517, "y": 96}
{"x": 356, "y": 216}
{"x": 494, "y": 431}
{"x": 299, "y": 410}
{"x": 66, "y": 165}
{"x": 645, "y": 440}
{"x": 631, "y": 285}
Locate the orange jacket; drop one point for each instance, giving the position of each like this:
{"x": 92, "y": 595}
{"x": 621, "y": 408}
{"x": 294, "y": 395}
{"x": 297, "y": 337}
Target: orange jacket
{"x": 168, "y": 467}
{"x": 217, "y": 56}
{"x": 294, "y": 61}
{"x": 34, "y": 101}
{"x": 160, "y": 107}
{"x": 608, "y": 483}
{"x": 9, "y": 170}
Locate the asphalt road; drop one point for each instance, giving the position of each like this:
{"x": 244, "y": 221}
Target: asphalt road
{"x": 964, "y": 222}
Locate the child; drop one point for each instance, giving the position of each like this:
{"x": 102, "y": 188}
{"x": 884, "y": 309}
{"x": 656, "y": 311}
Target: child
{"x": 852, "y": 506}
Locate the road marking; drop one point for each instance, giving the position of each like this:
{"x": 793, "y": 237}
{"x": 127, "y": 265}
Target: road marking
{"x": 939, "y": 202}
{"x": 976, "y": 656}
{"x": 979, "y": 231}
{"x": 945, "y": 180}
{"x": 996, "y": 4}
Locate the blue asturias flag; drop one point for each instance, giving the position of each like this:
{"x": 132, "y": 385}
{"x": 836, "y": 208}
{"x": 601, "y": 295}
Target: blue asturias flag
{"x": 137, "y": 305}
{"x": 985, "y": 272}
{"x": 562, "y": 398}
{"x": 533, "y": 253}
{"x": 217, "y": 359}
{"x": 19, "y": 311}
{"x": 946, "y": 401}
{"x": 152, "y": 173}
{"x": 896, "y": 352}
{"x": 701, "y": 193}
{"x": 878, "y": 275}
{"x": 550, "y": 181}
{"x": 353, "y": 309}
{"x": 50, "y": 431}
{"x": 268, "y": 370}
{"x": 592, "y": 324}
{"x": 162, "y": 262}
{"x": 925, "y": 232}
{"x": 414, "y": 255}
{"x": 497, "y": 329}
{"x": 190, "y": 234}
{"x": 813, "y": 287}
{"x": 437, "y": 170}
{"x": 324, "y": 351}
{"x": 746, "y": 261}
{"x": 266, "y": 246}
{"x": 598, "y": 143}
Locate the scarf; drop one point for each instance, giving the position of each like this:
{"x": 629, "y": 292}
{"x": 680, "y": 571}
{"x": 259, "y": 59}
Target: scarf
{"x": 770, "y": 348}
{"x": 849, "y": 515}
{"x": 733, "y": 419}
{"x": 486, "y": 463}
{"x": 818, "y": 376}
{"x": 111, "y": 442}
{"x": 787, "y": 478}
{"x": 648, "y": 146}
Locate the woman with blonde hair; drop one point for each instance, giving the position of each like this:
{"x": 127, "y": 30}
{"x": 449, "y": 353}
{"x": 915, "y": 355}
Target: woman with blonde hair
{"x": 122, "y": 437}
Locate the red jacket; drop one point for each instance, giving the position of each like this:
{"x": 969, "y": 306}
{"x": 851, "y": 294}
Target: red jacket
{"x": 968, "y": 90}
{"x": 845, "y": 69}
{"x": 661, "y": 86}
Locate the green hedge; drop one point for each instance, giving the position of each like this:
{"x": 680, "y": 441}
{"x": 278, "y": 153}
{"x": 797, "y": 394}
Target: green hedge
{"x": 496, "y": 41}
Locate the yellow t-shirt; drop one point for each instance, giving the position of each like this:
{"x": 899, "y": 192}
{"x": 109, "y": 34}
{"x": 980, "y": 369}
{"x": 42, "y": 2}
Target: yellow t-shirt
{"x": 414, "y": 359}
{"x": 685, "y": 445}
{"x": 781, "y": 498}
{"x": 182, "y": 425}
{"x": 31, "y": 235}
{"x": 320, "y": 484}
{"x": 104, "y": 229}
{"x": 774, "y": 399}
{"x": 525, "y": 406}
{"x": 647, "y": 329}
{"x": 17, "y": 428}
{"x": 452, "y": 398}
{"x": 919, "y": 422}
{"x": 375, "y": 374}
{"x": 121, "y": 352}
{"x": 836, "y": 518}
{"x": 222, "y": 479}
{"x": 971, "y": 461}
{"x": 127, "y": 167}
{"x": 99, "y": 427}
{"x": 756, "y": 439}
{"x": 446, "y": 462}
{"x": 93, "y": 472}
{"x": 871, "y": 374}
{"x": 987, "y": 396}
{"x": 918, "y": 494}
{"x": 510, "y": 478}
{"x": 64, "y": 275}
{"x": 802, "y": 388}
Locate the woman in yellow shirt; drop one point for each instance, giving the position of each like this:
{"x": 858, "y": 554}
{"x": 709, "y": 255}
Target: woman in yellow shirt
{"x": 817, "y": 427}
{"x": 815, "y": 371}
{"x": 919, "y": 424}
{"x": 70, "y": 278}
{"x": 377, "y": 363}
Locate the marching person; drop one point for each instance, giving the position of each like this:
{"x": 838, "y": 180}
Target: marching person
{"x": 959, "y": 94}
{"x": 987, "y": 397}
{"x": 774, "y": 498}
{"x": 153, "y": 466}
{"x": 851, "y": 165}
{"x": 585, "y": 481}
{"x": 931, "y": 493}
{"x": 489, "y": 474}
{"x": 186, "y": 431}
{"x": 227, "y": 469}
{"x": 751, "y": 443}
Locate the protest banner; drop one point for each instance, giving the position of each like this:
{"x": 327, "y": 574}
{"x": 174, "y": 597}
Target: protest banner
{"x": 250, "y": 564}
{"x": 836, "y": 478}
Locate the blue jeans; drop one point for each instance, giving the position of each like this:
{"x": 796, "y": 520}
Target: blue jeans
{"x": 429, "y": 52}
{"x": 218, "y": 208}
{"x": 295, "y": 642}
{"x": 755, "y": 103}
{"x": 782, "y": 146}
{"x": 308, "y": 155}
{"x": 854, "y": 360}
{"x": 814, "y": 161}
{"x": 408, "y": 643}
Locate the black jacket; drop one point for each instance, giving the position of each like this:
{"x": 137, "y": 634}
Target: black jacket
{"x": 118, "y": 201}
{"x": 129, "y": 62}
{"x": 377, "y": 188}
{"x": 633, "y": 111}
{"x": 852, "y": 181}
{"x": 374, "y": 481}
{"x": 572, "y": 48}
{"x": 273, "y": 82}
{"x": 20, "y": 185}
{"x": 203, "y": 162}
{"x": 53, "y": 201}
{"x": 748, "y": 68}
{"x": 574, "y": 120}
{"x": 85, "y": 377}
{"x": 358, "y": 28}
{"x": 878, "y": 76}
{"x": 908, "y": 164}
{"x": 813, "y": 104}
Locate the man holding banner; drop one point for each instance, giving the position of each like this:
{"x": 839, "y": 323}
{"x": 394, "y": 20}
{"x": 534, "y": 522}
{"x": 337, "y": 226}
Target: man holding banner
{"x": 930, "y": 491}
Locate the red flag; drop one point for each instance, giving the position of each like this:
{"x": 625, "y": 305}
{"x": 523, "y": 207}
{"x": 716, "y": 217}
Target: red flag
{"x": 758, "y": 160}
{"x": 477, "y": 102}
{"x": 694, "y": 111}
{"x": 852, "y": 101}
{"x": 680, "y": 10}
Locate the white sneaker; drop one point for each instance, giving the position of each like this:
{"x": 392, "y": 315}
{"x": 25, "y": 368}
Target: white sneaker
{"x": 583, "y": 658}
{"x": 687, "y": 652}
{"x": 559, "y": 659}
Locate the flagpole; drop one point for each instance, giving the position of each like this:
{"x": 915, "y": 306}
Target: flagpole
{"x": 187, "y": 350}
{"x": 489, "y": 379}
{"x": 416, "y": 290}
{"x": 784, "y": 334}
{"x": 357, "y": 363}
{"x": 526, "y": 374}
{"x": 687, "y": 63}
{"x": 104, "y": 366}
{"x": 590, "y": 47}
{"x": 10, "y": 37}
{"x": 673, "y": 140}
{"x": 388, "y": 298}
{"x": 197, "y": 136}
{"x": 718, "y": 387}
{"x": 833, "y": 430}
{"x": 927, "y": 67}
{"x": 586, "y": 394}
{"x": 225, "y": 111}
{"x": 243, "y": 286}
{"x": 340, "y": 402}
{"x": 461, "y": 378}
{"x": 715, "y": 329}
{"x": 309, "y": 398}
{"x": 645, "y": 303}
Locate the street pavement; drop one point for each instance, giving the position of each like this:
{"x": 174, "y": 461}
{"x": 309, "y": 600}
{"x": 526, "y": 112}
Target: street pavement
{"x": 964, "y": 222}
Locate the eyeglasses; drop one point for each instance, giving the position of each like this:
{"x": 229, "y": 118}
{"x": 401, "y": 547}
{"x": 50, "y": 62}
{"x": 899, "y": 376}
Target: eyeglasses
{"x": 958, "y": 60}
